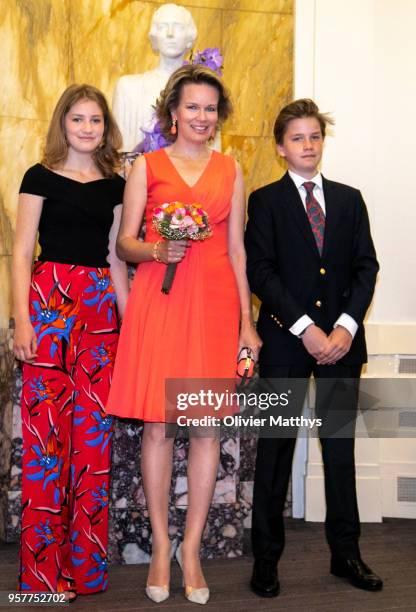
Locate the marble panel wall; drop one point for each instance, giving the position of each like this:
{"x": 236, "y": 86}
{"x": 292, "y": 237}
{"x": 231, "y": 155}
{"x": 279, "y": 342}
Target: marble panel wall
{"x": 48, "y": 44}
{"x": 6, "y": 421}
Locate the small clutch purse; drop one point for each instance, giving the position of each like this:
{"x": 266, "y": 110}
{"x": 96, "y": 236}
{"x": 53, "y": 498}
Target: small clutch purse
{"x": 245, "y": 366}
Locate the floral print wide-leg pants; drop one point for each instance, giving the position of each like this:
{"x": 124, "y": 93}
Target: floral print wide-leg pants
{"x": 66, "y": 432}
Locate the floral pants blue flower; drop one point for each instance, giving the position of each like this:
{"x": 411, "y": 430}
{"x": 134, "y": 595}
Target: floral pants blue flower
{"x": 66, "y": 432}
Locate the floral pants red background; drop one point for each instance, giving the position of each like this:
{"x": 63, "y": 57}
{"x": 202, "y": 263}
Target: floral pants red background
{"x": 66, "y": 432}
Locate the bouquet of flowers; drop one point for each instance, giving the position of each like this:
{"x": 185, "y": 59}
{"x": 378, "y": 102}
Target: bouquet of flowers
{"x": 178, "y": 221}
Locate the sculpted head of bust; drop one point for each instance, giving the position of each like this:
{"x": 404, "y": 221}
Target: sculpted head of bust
{"x": 173, "y": 30}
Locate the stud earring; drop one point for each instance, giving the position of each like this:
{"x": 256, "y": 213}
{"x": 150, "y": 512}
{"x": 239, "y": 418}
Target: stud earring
{"x": 173, "y": 129}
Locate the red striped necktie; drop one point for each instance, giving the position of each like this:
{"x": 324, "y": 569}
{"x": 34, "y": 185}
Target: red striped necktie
{"x": 315, "y": 215}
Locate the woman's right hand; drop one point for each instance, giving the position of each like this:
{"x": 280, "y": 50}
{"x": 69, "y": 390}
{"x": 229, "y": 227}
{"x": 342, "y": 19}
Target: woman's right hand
{"x": 25, "y": 342}
{"x": 172, "y": 251}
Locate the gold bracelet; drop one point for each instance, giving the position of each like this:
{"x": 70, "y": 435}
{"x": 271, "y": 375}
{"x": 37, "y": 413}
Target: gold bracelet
{"x": 155, "y": 252}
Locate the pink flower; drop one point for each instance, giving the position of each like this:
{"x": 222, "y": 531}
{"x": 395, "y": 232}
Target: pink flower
{"x": 188, "y": 221}
{"x": 176, "y": 222}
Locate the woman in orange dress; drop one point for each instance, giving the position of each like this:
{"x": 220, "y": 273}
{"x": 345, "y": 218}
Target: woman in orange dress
{"x": 196, "y": 330}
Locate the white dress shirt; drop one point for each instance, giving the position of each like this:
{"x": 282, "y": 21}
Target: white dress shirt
{"x": 345, "y": 320}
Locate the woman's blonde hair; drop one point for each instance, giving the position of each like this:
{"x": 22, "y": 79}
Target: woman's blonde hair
{"x": 105, "y": 156}
{"x": 170, "y": 96}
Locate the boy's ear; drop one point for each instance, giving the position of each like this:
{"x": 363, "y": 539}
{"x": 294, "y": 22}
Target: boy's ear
{"x": 281, "y": 150}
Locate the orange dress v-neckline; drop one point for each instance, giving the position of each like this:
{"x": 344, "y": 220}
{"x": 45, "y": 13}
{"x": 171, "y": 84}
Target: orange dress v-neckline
{"x": 181, "y": 177}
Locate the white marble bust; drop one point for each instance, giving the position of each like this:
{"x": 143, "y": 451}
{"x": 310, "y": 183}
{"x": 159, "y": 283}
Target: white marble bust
{"x": 172, "y": 34}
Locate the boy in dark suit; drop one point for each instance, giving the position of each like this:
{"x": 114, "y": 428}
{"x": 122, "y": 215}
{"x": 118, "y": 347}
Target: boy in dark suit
{"x": 312, "y": 263}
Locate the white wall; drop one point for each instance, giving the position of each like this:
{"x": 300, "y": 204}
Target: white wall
{"x": 357, "y": 60}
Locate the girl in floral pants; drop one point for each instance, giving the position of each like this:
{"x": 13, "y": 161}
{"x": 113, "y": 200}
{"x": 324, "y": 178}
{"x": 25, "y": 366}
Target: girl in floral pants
{"x": 66, "y": 336}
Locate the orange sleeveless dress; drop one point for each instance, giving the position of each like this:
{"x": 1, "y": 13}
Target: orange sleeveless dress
{"x": 193, "y": 331}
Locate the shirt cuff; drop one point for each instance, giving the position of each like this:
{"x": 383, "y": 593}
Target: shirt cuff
{"x": 300, "y": 325}
{"x": 348, "y": 322}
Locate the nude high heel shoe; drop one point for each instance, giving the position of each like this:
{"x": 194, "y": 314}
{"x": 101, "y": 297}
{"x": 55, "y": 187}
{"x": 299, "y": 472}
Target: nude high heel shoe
{"x": 158, "y": 593}
{"x": 198, "y": 596}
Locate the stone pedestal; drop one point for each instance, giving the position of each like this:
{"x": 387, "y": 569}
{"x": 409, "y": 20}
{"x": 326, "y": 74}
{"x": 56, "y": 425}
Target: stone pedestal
{"x": 130, "y": 535}
{"x": 6, "y": 419}
{"x": 130, "y": 540}
{"x": 129, "y": 523}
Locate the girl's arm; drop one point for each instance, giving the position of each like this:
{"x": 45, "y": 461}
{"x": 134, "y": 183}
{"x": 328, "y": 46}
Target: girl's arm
{"x": 118, "y": 267}
{"x": 28, "y": 216}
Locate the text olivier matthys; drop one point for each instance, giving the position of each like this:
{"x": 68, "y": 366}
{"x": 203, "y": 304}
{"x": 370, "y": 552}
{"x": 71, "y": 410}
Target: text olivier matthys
{"x": 220, "y": 402}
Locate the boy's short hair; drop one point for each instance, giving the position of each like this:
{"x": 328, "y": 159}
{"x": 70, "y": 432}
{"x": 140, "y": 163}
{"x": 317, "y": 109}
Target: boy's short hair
{"x": 304, "y": 107}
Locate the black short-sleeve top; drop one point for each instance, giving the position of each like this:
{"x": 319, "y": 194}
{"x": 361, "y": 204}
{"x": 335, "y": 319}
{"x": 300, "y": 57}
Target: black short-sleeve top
{"x": 76, "y": 217}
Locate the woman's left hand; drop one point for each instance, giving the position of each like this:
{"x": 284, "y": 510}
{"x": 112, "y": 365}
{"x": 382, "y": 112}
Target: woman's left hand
{"x": 249, "y": 337}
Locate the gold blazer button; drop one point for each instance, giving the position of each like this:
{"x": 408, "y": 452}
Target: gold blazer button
{"x": 318, "y": 303}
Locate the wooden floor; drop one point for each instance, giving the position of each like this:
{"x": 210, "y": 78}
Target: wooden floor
{"x": 306, "y": 585}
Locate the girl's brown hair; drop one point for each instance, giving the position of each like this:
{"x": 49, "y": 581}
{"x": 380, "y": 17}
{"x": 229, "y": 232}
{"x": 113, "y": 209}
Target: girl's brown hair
{"x": 170, "y": 96}
{"x": 56, "y": 147}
